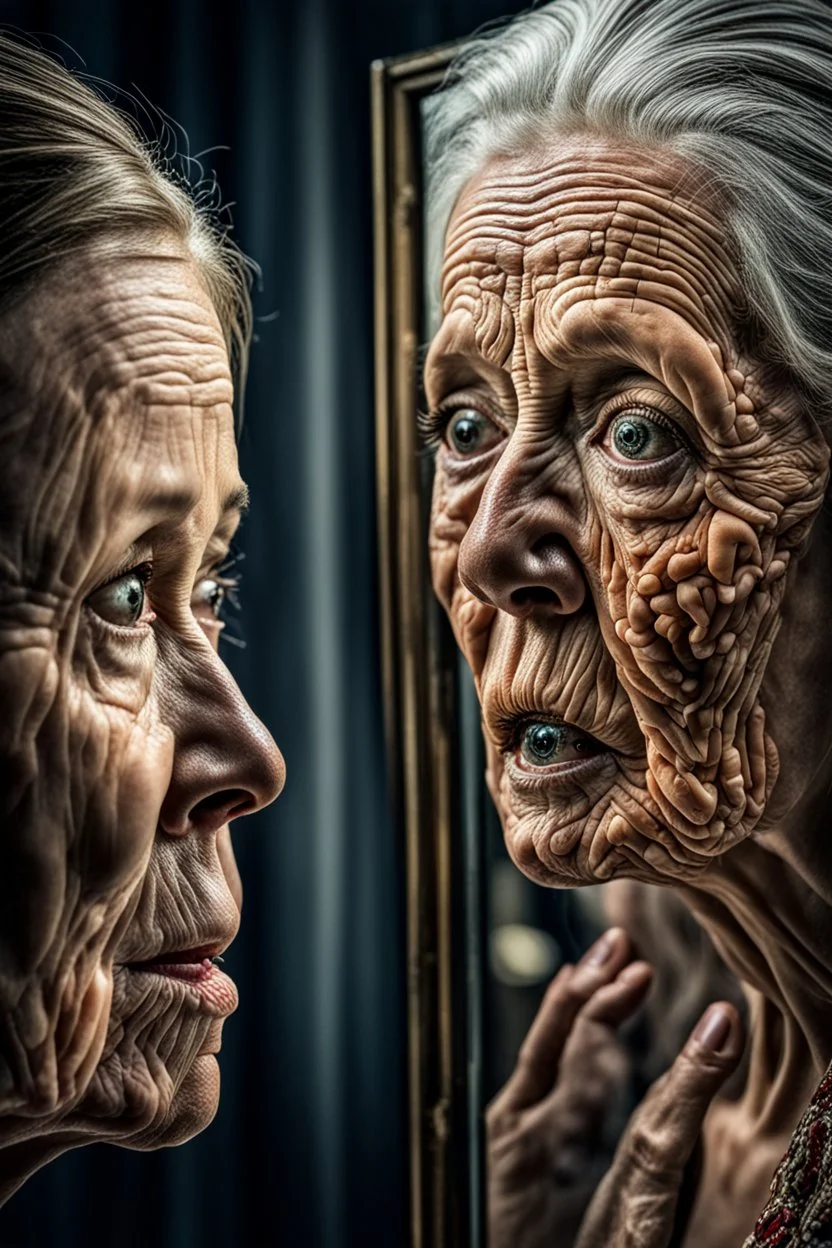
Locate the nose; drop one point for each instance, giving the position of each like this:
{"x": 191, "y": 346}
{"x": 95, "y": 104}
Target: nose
{"x": 516, "y": 555}
{"x": 226, "y": 763}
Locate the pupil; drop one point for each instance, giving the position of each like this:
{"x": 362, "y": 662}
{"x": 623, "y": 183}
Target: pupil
{"x": 466, "y": 433}
{"x": 543, "y": 741}
{"x": 133, "y": 597}
{"x": 631, "y": 437}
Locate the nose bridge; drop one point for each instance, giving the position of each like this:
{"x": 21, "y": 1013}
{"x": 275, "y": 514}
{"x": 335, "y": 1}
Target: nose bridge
{"x": 518, "y": 553}
{"x": 519, "y": 479}
{"x": 225, "y": 760}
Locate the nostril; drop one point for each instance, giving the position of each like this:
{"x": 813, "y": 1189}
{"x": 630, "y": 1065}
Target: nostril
{"x": 535, "y": 595}
{"x": 220, "y": 808}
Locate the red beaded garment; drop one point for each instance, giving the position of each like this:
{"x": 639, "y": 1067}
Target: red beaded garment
{"x": 799, "y": 1211}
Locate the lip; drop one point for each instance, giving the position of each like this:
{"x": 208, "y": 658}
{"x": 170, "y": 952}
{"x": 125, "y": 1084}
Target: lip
{"x": 193, "y": 973}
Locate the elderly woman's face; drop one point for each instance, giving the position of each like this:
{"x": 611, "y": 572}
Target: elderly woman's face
{"x": 126, "y": 746}
{"x": 620, "y": 488}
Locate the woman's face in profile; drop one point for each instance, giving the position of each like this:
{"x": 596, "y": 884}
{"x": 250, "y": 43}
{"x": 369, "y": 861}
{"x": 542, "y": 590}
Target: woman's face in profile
{"x": 127, "y": 748}
{"x": 621, "y": 488}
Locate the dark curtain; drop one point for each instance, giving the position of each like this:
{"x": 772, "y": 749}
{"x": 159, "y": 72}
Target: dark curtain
{"x": 309, "y": 1146}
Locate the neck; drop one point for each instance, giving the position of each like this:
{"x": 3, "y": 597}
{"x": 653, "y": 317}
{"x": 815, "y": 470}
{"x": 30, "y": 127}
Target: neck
{"x": 26, "y": 1146}
{"x": 767, "y": 905}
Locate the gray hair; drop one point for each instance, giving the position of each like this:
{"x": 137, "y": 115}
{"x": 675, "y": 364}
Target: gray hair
{"x": 740, "y": 88}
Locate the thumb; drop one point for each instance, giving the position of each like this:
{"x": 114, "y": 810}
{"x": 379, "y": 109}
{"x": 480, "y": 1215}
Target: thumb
{"x": 663, "y": 1132}
{"x": 636, "y": 1202}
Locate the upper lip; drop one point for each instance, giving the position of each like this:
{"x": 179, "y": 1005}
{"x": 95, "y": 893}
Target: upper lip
{"x": 174, "y": 956}
{"x": 207, "y": 945}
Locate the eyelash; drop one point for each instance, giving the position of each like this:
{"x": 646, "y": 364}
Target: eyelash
{"x": 432, "y": 425}
{"x": 143, "y": 571}
{"x": 655, "y": 414}
{"x": 220, "y": 574}
{"x": 509, "y": 728}
{"x": 229, "y": 585}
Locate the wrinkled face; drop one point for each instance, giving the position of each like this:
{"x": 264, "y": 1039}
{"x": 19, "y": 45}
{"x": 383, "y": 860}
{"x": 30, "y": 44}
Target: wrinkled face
{"x": 126, "y": 746}
{"x": 622, "y": 488}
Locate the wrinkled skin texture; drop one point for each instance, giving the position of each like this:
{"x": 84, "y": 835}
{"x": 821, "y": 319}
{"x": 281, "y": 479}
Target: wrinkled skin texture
{"x": 628, "y": 536}
{"x": 545, "y": 1126}
{"x": 541, "y": 1125}
{"x": 127, "y": 748}
{"x": 635, "y": 599}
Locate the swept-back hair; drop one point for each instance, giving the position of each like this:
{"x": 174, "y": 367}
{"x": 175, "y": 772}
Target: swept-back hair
{"x": 74, "y": 169}
{"x": 740, "y": 88}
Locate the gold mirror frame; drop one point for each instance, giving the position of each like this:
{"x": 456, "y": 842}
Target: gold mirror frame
{"x": 421, "y": 685}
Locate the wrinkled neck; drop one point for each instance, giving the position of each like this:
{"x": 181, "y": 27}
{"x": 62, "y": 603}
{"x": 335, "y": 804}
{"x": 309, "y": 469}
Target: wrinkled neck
{"x": 767, "y": 905}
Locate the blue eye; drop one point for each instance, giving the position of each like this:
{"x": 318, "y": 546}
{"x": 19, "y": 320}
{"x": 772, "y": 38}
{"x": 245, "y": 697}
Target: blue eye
{"x": 543, "y": 743}
{"x": 469, "y": 432}
{"x": 635, "y": 435}
{"x": 122, "y": 601}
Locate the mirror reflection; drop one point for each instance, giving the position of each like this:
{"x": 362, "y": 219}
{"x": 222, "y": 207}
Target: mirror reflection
{"x": 626, "y": 268}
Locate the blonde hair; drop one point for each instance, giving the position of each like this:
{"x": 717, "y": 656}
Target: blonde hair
{"x": 74, "y": 169}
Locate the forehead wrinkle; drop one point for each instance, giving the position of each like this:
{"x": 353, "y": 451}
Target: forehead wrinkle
{"x": 681, "y": 359}
{"x": 140, "y": 325}
{"x": 640, "y": 249}
{"x": 621, "y": 247}
{"x": 514, "y": 204}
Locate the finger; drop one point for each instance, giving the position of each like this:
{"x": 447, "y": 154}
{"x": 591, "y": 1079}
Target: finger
{"x": 636, "y": 1202}
{"x": 593, "y": 1063}
{"x": 667, "y": 1125}
{"x": 539, "y": 1057}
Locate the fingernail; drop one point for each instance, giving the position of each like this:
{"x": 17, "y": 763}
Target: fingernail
{"x": 713, "y": 1028}
{"x": 601, "y": 951}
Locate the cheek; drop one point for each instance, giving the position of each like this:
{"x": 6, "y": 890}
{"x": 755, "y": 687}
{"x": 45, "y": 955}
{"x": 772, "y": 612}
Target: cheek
{"x": 81, "y": 785}
{"x": 692, "y": 607}
{"x": 228, "y": 862}
{"x": 454, "y": 505}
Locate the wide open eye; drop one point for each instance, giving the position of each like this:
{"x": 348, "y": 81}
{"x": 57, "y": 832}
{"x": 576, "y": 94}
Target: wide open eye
{"x": 544, "y": 743}
{"x": 470, "y": 433}
{"x": 636, "y": 434}
{"x": 209, "y": 599}
{"x": 209, "y": 596}
{"x": 122, "y": 601}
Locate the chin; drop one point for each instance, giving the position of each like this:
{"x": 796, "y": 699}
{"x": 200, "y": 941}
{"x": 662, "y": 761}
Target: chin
{"x": 192, "y": 1109}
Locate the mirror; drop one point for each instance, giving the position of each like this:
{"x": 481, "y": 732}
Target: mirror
{"x": 483, "y": 941}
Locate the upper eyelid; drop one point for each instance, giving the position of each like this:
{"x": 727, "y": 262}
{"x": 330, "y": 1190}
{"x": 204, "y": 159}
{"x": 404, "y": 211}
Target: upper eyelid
{"x": 658, "y": 402}
{"x": 462, "y": 399}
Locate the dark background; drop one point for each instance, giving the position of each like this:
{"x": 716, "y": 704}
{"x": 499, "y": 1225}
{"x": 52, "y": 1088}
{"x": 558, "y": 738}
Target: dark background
{"x": 309, "y": 1147}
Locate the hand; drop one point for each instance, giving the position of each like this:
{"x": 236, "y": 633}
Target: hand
{"x": 544, "y": 1126}
{"x": 635, "y": 1205}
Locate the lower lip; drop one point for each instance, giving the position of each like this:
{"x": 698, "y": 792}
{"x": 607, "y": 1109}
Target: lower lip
{"x": 215, "y": 993}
